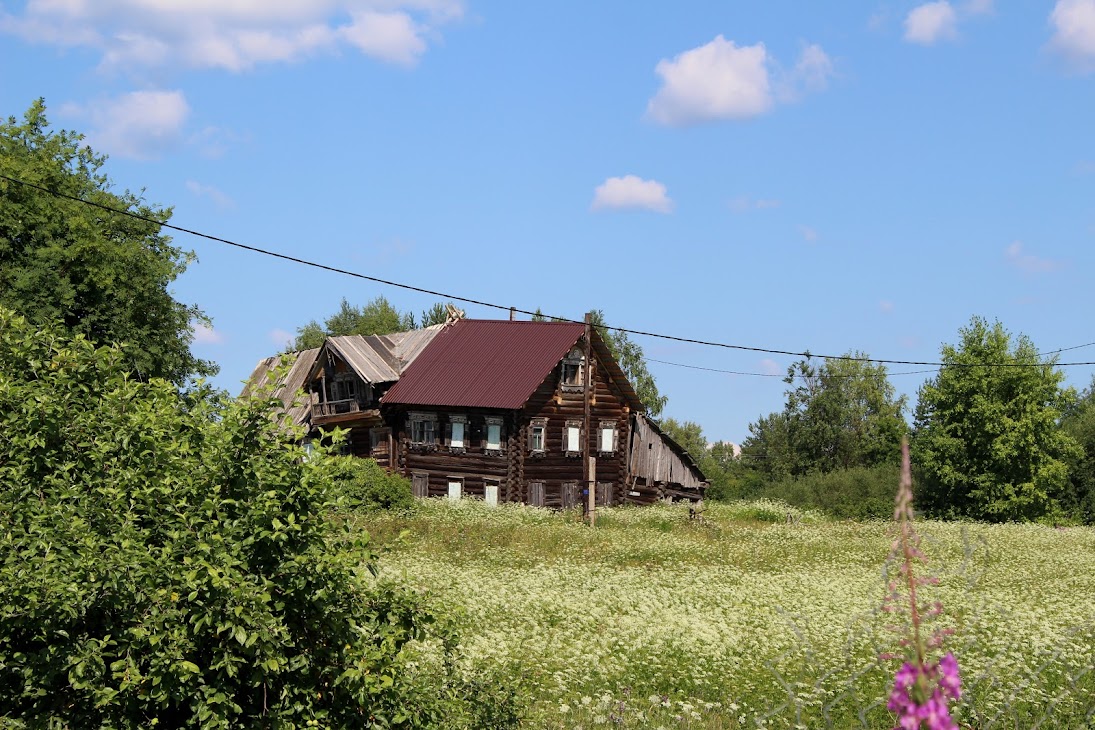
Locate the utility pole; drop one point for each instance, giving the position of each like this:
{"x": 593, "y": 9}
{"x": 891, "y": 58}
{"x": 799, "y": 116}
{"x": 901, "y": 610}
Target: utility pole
{"x": 589, "y": 463}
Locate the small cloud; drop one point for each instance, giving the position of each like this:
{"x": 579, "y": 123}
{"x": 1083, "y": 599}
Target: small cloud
{"x": 219, "y": 199}
{"x": 1029, "y": 263}
{"x": 979, "y": 7}
{"x": 931, "y": 22}
{"x": 885, "y": 306}
{"x": 744, "y": 204}
{"x": 631, "y": 191}
{"x": 718, "y": 80}
{"x": 770, "y": 367}
{"x": 281, "y": 338}
{"x": 391, "y": 37}
{"x": 808, "y": 233}
{"x": 206, "y": 335}
{"x": 140, "y": 125}
{"x": 811, "y": 73}
{"x": 213, "y": 142}
{"x": 1073, "y": 24}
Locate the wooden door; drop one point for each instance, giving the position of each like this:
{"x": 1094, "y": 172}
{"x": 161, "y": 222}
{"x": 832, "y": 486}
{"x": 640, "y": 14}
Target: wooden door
{"x": 536, "y": 494}
{"x": 420, "y": 485}
{"x": 378, "y": 445}
{"x": 604, "y": 494}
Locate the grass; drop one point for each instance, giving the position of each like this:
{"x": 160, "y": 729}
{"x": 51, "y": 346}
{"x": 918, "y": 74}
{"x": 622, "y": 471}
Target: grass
{"x": 760, "y": 615}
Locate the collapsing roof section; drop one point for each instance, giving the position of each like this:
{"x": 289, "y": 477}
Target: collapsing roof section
{"x": 295, "y": 367}
{"x": 482, "y": 363}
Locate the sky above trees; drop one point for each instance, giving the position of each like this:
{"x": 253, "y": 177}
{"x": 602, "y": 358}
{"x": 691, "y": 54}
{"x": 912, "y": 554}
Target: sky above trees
{"x": 773, "y": 174}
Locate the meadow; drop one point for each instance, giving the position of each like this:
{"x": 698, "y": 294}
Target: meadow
{"x": 759, "y": 615}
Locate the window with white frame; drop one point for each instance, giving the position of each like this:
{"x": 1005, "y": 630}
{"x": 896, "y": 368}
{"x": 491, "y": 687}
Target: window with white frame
{"x": 458, "y": 429}
{"x": 606, "y": 437}
{"x": 573, "y": 376}
{"x": 494, "y": 434}
{"x": 572, "y": 438}
{"x": 537, "y": 436}
{"x": 423, "y": 428}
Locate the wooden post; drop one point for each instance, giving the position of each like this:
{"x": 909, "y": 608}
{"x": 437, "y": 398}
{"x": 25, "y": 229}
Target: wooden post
{"x": 589, "y": 464}
{"x": 512, "y": 313}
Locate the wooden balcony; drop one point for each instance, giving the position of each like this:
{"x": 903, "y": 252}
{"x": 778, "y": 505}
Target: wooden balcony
{"x": 337, "y": 408}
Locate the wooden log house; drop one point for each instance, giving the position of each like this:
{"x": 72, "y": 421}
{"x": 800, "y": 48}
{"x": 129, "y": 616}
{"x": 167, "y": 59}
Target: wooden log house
{"x": 504, "y": 411}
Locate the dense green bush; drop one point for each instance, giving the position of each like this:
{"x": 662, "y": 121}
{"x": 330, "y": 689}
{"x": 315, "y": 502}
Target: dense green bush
{"x": 367, "y": 485}
{"x": 168, "y": 560}
{"x": 859, "y": 493}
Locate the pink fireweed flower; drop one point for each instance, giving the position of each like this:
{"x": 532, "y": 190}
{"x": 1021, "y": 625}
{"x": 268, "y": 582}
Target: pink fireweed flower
{"x": 922, "y": 690}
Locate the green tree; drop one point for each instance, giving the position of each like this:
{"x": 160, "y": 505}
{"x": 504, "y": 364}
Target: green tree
{"x": 168, "y": 559}
{"x": 99, "y": 274}
{"x": 841, "y": 414}
{"x": 378, "y": 317}
{"x": 437, "y": 314}
{"x": 1079, "y": 423}
{"x": 988, "y": 443}
{"x": 632, "y": 361}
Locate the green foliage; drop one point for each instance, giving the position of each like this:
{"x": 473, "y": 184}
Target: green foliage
{"x": 367, "y": 485}
{"x": 1079, "y": 423}
{"x": 167, "y": 559}
{"x": 378, "y": 317}
{"x": 631, "y": 359}
{"x": 437, "y": 314}
{"x": 102, "y": 275}
{"x": 839, "y": 415}
{"x": 988, "y": 444}
{"x": 858, "y": 493}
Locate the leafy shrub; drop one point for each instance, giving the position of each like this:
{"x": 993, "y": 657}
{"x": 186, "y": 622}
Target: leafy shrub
{"x": 168, "y": 560}
{"x": 859, "y": 493}
{"x": 367, "y": 485}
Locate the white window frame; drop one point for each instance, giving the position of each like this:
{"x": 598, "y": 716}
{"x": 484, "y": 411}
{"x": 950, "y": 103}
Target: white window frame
{"x": 500, "y": 445}
{"x": 461, "y": 445}
{"x": 613, "y": 440}
{"x": 541, "y": 425}
{"x": 496, "y": 484}
{"x": 572, "y": 429}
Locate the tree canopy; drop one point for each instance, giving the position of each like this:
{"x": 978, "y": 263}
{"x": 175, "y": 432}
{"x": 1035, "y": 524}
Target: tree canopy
{"x": 988, "y": 443}
{"x": 378, "y": 317}
{"x": 841, "y": 414}
{"x": 103, "y": 275}
{"x": 632, "y": 361}
{"x": 169, "y": 559}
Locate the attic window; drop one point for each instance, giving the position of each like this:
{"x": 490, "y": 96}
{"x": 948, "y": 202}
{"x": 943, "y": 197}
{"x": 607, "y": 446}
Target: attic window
{"x": 606, "y": 437}
{"x": 573, "y": 376}
{"x": 537, "y": 436}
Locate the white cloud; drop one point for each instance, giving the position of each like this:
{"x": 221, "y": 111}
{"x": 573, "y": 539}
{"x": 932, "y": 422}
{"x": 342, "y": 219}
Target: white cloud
{"x": 206, "y": 335}
{"x": 808, "y": 233}
{"x": 218, "y": 197}
{"x": 770, "y": 367}
{"x": 140, "y": 125}
{"x": 744, "y": 203}
{"x": 281, "y": 337}
{"x": 233, "y": 34}
{"x": 931, "y": 22}
{"x": 1073, "y": 24}
{"x": 631, "y": 191}
{"x": 1029, "y": 263}
{"x": 721, "y": 80}
{"x": 979, "y": 7}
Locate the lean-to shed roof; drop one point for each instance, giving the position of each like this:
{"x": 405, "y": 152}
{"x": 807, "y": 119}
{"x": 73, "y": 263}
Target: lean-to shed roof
{"x": 484, "y": 363}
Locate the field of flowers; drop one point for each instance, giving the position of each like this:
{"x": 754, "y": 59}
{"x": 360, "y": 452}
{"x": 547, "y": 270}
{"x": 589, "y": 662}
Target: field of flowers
{"x": 758, "y": 615}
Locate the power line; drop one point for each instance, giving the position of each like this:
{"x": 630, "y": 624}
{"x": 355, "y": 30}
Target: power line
{"x": 409, "y": 287}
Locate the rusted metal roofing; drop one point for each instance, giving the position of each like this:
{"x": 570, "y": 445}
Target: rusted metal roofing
{"x": 297, "y": 408}
{"x": 482, "y": 363}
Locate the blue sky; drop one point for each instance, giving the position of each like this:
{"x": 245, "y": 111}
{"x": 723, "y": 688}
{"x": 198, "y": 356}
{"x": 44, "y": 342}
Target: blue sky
{"x": 795, "y": 176}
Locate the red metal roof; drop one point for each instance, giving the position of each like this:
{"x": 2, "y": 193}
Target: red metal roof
{"x": 484, "y": 363}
